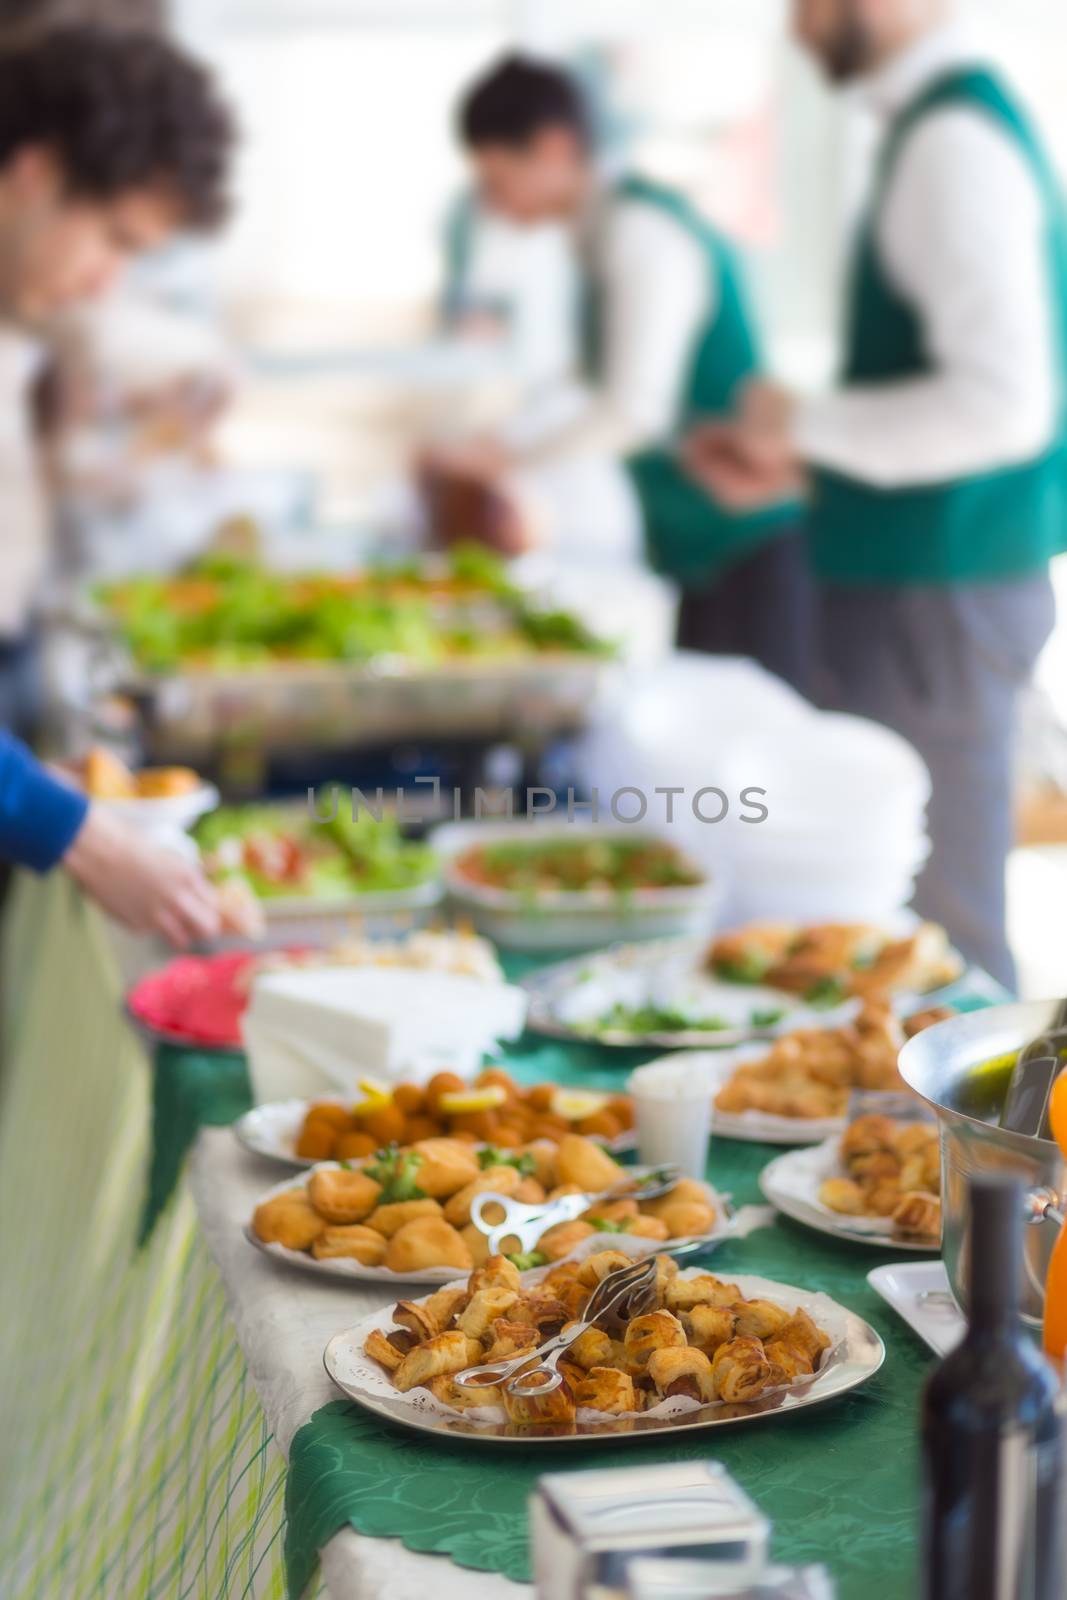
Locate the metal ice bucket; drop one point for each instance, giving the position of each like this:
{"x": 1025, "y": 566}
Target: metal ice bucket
{"x": 953, "y": 1066}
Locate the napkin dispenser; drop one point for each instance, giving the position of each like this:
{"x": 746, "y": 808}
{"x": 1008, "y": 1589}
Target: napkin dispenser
{"x": 588, "y": 1528}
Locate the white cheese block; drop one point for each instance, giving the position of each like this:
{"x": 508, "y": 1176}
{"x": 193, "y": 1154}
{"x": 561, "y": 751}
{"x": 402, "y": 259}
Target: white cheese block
{"x": 318, "y": 1031}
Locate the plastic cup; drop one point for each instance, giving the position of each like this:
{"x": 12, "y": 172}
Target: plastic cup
{"x": 672, "y": 1112}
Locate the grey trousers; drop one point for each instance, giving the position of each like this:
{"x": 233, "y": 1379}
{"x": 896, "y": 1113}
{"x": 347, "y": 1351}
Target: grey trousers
{"x": 944, "y": 667}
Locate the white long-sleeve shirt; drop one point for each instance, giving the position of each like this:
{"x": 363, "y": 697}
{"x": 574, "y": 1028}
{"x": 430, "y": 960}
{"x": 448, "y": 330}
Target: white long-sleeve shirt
{"x": 961, "y": 236}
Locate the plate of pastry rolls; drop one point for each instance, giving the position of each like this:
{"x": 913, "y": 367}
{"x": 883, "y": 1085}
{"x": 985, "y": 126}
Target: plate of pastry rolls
{"x": 406, "y": 1212}
{"x": 878, "y": 1183}
{"x": 710, "y": 1352}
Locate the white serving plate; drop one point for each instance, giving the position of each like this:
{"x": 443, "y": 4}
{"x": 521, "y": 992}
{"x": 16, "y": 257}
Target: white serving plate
{"x": 919, "y": 1292}
{"x": 271, "y": 1130}
{"x": 856, "y": 1354}
{"x": 311, "y": 920}
{"x": 791, "y": 1183}
{"x": 568, "y": 920}
{"x": 725, "y": 1227}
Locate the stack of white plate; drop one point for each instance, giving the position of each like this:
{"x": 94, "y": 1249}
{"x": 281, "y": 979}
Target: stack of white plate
{"x": 845, "y": 836}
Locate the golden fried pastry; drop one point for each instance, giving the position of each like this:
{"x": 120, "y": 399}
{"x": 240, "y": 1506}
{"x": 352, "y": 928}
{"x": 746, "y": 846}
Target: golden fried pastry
{"x": 546, "y": 1311}
{"x": 498, "y": 1272}
{"x": 554, "y": 1410}
{"x": 581, "y": 1161}
{"x": 329, "y": 1113}
{"x": 703, "y": 1290}
{"x": 656, "y": 1330}
{"x": 594, "y": 1268}
{"x": 444, "y": 1304}
{"x": 565, "y": 1273}
{"x": 682, "y": 1371}
{"x": 801, "y": 1332}
{"x": 350, "y": 1241}
{"x": 788, "y": 1362}
{"x": 543, "y": 1154}
{"x": 445, "y": 1165}
{"x": 506, "y": 1339}
{"x": 649, "y": 1228}
{"x": 883, "y": 1197}
{"x": 317, "y": 1141}
{"x": 351, "y": 1146}
{"x": 388, "y": 1349}
{"x": 740, "y": 1370}
{"x": 593, "y": 1348}
{"x": 844, "y": 1196}
{"x": 758, "y": 1319}
{"x": 448, "y": 1391}
{"x": 707, "y": 1327}
{"x": 389, "y": 1219}
{"x": 499, "y": 1180}
{"x": 866, "y": 1135}
{"x": 477, "y": 1243}
{"x": 426, "y": 1317}
{"x": 688, "y": 1219}
{"x": 611, "y": 1211}
{"x": 288, "y": 1219}
{"x": 427, "y": 1242}
{"x": 483, "y": 1308}
{"x": 342, "y": 1196}
{"x": 918, "y": 1213}
{"x": 444, "y": 1353}
{"x": 606, "y": 1389}
{"x": 560, "y": 1240}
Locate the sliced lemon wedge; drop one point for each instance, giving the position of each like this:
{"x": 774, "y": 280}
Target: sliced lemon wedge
{"x": 487, "y": 1099}
{"x": 377, "y": 1094}
{"x": 575, "y": 1104}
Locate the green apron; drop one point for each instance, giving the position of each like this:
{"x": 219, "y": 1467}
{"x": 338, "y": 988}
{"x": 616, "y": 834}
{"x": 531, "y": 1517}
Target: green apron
{"x": 688, "y": 537}
{"x": 997, "y": 525}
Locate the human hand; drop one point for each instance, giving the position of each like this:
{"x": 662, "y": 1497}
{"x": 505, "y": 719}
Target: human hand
{"x": 461, "y": 508}
{"x": 765, "y": 416}
{"x": 479, "y": 459}
{"x": 146, "y": 887}
{"x": 718, "y": 456}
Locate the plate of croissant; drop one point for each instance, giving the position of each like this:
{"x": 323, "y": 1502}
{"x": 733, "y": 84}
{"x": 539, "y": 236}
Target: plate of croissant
{"x": 878, "y": 1183}
{"x": 406, "y": 1213}
{"x": 706, "y": 1352}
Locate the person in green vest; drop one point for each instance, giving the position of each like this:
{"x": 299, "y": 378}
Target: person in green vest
{"x": 938, "y": 467}
{"x": 667, "y": 336}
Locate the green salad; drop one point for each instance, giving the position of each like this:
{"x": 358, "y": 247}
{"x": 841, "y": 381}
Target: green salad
{"x": 533, "y": 867}
{"x": 282, "y": 851}
{"x": 224, "y": 613}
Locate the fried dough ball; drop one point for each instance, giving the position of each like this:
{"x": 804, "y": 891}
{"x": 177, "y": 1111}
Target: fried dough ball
{"x": 427, "y": 1242}
{"x": 582, "y": 1162}
{"x": 342, "y": 1196}
{"x": 389, "y": 1219}
{"x": 441, "y": 1083}
{"x": 330, "y": 1114}
{"x": 288, "y": 1219}
{"x": 409, "y": 1098}
{"x": 383, "y": 1122}
{"x": 318, "y": 1141}
{"x": 352, "y": 1242}
{"x": 354, "y": 1147}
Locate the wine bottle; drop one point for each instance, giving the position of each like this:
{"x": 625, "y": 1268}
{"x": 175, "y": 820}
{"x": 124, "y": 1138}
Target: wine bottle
{"x": 993, "y": 1432}
{"x": 1036, "y": 1068}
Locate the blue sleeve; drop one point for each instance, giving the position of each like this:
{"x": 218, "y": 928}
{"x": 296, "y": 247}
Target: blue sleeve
{"x": 39, "y": 816}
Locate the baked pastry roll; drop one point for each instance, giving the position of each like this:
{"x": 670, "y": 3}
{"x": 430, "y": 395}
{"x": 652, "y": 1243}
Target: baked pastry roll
{"x": 497, "y": 1272}
{"x": 606, "y": 1389}
{"x": 593, "y": 1348}
{"x": 866, "y": 1135}
{"x": 740, "y": 1370}
{"x": 679, "y": 1371}
{"x": 800, "y": 1332}
{"x": 445, "y": 1165}
{"x": 500, "y": 1180}
{"x": 788, "y": 1362}
{"x": 703, "y": 1290}
{"x": 707, "y": 1327}
{"x": 289, "y": 1219}
{"x": 389, "y": 1219}
{"x": 587, "y": 1164}
{"x": 342, "y": 1196}
{"x": 427, "y": 1242}
{"x": 844, "y": 1196}
{"x": 483, "y": 1308}
{"x": 759, "y": 1319}
{"x": 506, "y": 1339}
{"x": 918, "y": 1213}
{"x": 433, "y": 1315}
{"x": 444, "y": 1353}
{"x": 656, "y": 1330}
{"x": 449, "y": 1393}
{"x": 562, "y": 1276}
{"x": 545, "y": 1312}
{"x": 389, "y": 1349}
{"x": 594, "y": 1269}
{"x": 883, "y": 1197}
{"x": 666, "y": 1272}
{"x": 555, "y": 1409}
{"x": 350, "y": 1241}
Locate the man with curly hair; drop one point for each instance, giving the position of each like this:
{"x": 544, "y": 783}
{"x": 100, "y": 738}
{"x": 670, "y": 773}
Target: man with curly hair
{"x": 110, "y": 142}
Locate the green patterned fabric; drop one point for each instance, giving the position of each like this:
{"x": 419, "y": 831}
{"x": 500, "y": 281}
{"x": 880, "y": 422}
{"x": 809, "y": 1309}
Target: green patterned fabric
{"x": 839, "y": 1482}
{"x": 191, "y": 1089}
{"x": 137, "y": 1464}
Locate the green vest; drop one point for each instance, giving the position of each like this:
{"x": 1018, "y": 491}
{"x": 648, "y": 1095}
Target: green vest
{"x": 1002, "y": 524}
{"x": 688, "y": 537}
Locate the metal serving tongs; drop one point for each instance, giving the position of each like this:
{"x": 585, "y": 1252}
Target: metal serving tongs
{"x": 625, "y": 1293}
{"x": 527, "y": 1223}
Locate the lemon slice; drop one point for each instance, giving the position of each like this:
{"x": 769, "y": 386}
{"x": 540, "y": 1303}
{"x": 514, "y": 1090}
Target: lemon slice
{"x": 487, "y": 1099}
{"x": 575, "y": 1104}
{"x": 378, "y": 1094}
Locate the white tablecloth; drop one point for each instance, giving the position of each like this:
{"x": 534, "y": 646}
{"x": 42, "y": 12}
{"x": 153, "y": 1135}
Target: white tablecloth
{"x": 283, "y": 1322}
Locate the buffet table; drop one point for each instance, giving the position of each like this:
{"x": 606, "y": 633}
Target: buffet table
{"x": 153, "y": 1393}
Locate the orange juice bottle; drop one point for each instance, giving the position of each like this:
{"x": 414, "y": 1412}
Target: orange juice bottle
{"x": 1056, "y": 1282}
